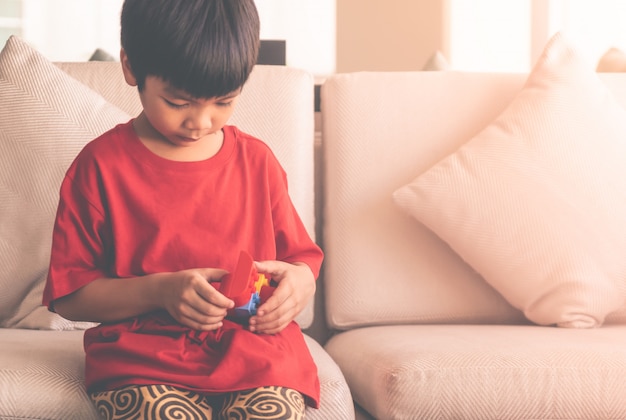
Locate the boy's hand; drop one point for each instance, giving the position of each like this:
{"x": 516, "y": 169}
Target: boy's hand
{"x": 296, "y": 286}
{"x": 191, "y": 299}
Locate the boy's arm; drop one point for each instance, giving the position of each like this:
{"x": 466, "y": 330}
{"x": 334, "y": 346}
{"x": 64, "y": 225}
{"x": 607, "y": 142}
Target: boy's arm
{"x": 187, "y": 295}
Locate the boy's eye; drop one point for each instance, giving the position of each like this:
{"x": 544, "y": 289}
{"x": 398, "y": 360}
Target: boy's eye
{"x": 174, "y": 105}
{"x": 224, "y": 103}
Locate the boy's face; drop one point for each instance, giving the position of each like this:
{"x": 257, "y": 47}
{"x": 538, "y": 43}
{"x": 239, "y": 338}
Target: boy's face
{"x": 181, "y": 119}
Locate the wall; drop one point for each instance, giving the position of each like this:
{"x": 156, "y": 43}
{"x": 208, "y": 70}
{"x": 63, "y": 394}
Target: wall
{"x": 389, "y": 35}
{"x": 308, "y": 26}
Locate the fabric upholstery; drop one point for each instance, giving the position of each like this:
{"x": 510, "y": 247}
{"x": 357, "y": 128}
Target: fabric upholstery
{"x": 613, "y": 60}
{"x": 101, "y": 55}
{"x": 436, "y": 62}
{"x": 106, "y": 78}
{"x": 379, "y": 131}
{"x": 485, "y": 371}
{"x": 535, "y": 202}
{"x": 335, "y": 396}
{"x": 42, "y": 374}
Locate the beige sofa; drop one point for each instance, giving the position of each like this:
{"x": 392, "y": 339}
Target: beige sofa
{"x": 47, "y": 112}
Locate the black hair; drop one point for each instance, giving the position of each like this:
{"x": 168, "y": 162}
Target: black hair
{"x": 206, "y": 48}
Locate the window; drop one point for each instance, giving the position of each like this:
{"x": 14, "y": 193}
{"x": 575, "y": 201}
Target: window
{"x": 594, "y": 25}
{"x": 493, "y": 35}
{"x": 307, "y": 26}
{"x": 10, "y": 18}
{"x": 67, "y": 30}
{"x": 489, "y": 35}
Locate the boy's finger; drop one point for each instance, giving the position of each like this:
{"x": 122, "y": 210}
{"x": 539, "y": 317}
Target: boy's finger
{"x": 269, "y": 267}
{"x": 213, "y": 274}
{"x": 213, "y": 296}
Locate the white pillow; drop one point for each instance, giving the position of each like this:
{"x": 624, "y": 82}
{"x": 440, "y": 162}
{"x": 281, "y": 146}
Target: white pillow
{"x": 536, "y": 202}
{"x": 45, "y": 119}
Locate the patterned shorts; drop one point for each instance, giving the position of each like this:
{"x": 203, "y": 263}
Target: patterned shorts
{"x": 157, "y": 402}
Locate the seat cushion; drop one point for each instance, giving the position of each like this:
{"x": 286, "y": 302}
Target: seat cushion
{"x": 42, "y": 377}
{"x": 485, "y": 371}
{"x": 335, "y": 397}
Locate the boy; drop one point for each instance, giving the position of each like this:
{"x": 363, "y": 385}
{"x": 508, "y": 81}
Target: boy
{"x": 153, "y": 211}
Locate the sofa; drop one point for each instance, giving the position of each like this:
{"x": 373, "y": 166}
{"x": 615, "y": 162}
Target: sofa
{"x": 47, "y": 112}
{"x": 474, "y": 229}
{"x": 471, "y": 224}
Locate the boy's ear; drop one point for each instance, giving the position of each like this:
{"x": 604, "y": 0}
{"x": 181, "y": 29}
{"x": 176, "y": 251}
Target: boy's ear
{"x": 128, "y": 73}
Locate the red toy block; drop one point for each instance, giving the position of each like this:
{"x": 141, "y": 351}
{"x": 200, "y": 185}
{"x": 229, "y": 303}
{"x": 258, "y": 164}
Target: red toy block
{"x": 246, "y": 287}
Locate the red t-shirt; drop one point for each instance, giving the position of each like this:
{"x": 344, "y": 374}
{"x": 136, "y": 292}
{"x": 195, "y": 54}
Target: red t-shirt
{"x": 126, "y": 212}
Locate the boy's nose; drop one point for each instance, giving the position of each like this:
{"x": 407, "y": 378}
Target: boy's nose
{"x": 199, "y": 121}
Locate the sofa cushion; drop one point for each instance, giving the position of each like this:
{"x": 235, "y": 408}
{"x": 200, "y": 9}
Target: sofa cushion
{"x": 536, "y": 201}
{"x": 42, "y": 377}
{"x": 485, "y": 371}
{"x": 45, "y": 119}
{"x": 335, "y": 396}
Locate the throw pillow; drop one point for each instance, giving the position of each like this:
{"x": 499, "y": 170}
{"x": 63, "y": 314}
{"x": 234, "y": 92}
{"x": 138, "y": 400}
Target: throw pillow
{"x": 101, "y": 55}
{"x": 536, "y": 201}
{"x": 45, "y": 119}
{"x": 612, "y": 61}
{"x": 436, "y": 62}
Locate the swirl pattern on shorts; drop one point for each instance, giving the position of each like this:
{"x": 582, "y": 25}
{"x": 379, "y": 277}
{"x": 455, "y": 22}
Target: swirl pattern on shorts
{"x": 167, "y": 402}
{"x": 177, "y": 406}
{"x": 152, "y": 402}
{"x": 124, "y": 403}
{"x": 276, "y": 403}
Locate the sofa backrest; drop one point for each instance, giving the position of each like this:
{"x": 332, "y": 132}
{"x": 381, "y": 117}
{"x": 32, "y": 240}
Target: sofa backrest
{"x": 106, "y": 78}
{"x": 276, "y": 105}
{"x": 380, "y": 130}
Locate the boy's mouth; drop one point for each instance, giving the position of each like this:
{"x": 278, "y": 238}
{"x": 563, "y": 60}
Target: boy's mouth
{"x": 187, "y": 139}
